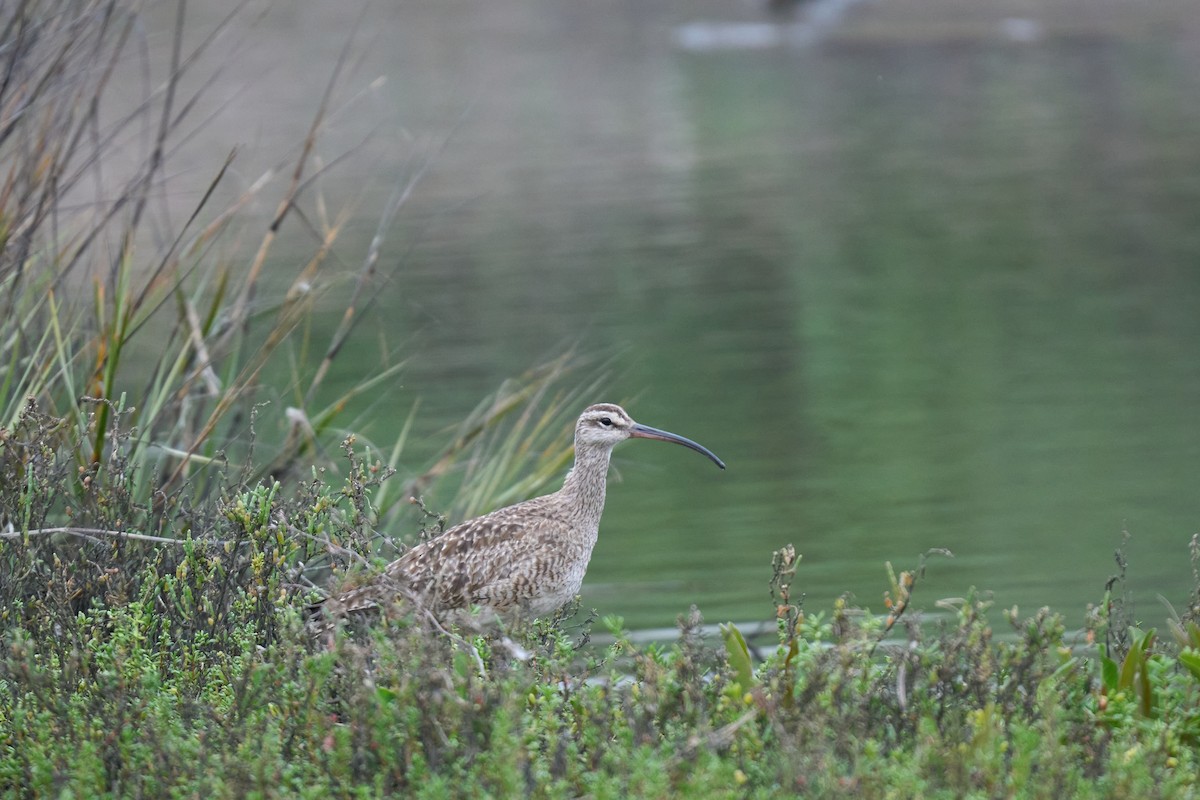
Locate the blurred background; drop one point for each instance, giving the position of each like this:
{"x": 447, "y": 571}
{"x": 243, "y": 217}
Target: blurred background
{"x": 925, "y": 273}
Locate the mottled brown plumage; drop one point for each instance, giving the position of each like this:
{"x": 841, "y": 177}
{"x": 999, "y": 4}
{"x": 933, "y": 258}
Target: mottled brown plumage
{"x": 526, "y": 559}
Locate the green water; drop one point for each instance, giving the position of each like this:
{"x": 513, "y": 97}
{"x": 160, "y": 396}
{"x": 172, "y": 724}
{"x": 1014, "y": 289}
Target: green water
{"x": 927, "y": 294}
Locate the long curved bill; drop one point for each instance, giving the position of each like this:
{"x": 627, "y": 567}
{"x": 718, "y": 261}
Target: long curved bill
{"x": 639, "y": 431}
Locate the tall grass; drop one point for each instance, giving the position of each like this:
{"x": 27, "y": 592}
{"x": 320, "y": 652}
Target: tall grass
{"x": 110, "y": 310}
{"x": 76, "y": 222}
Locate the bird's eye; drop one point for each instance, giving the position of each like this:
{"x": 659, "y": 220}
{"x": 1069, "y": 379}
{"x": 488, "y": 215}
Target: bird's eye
{"x": 606, "y": 422}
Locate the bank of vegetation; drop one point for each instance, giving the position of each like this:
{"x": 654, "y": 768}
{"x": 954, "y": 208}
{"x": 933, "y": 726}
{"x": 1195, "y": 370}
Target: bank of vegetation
{"x": 164, "y": 529}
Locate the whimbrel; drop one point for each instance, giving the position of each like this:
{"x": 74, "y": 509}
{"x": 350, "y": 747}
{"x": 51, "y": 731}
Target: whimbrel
{"x": 526, "y": 559}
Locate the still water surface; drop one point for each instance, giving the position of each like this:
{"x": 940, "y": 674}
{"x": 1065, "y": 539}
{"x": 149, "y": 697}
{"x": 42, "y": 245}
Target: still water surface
{"x": 918, "y": 286}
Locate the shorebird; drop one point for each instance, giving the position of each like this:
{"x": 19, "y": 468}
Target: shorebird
{"x": 524, "y": 560}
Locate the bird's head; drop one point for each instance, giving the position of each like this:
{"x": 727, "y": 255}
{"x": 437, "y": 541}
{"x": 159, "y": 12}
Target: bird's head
{"x": 606, "y": 425}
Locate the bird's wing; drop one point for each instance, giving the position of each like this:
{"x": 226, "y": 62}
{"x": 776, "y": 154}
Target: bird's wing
{"x": 496, "y": 560}
{"x": 491, "y": 560}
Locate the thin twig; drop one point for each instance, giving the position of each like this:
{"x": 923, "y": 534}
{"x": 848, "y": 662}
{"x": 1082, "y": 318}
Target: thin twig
{"x": 91, "y": 533}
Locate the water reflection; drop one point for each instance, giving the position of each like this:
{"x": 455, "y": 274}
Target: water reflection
{"x": 796, "y": 24}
